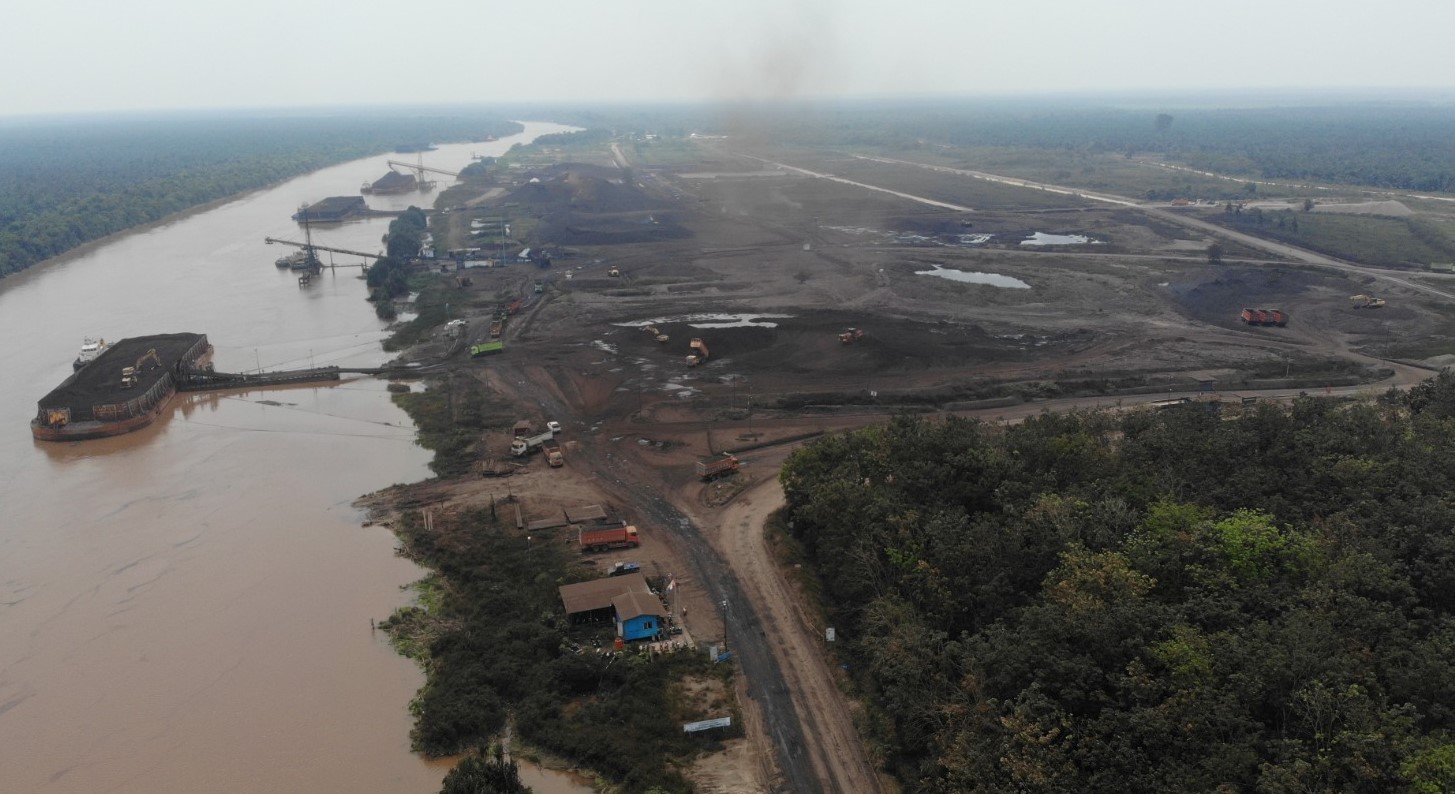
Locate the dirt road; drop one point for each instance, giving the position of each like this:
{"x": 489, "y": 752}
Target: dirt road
{"x": 833, "y": 743}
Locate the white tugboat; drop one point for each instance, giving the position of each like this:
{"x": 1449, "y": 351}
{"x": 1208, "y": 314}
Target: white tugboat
{"x": 90, "y": 349}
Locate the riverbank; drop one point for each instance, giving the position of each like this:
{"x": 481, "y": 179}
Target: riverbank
{"x": 487, "y": 627}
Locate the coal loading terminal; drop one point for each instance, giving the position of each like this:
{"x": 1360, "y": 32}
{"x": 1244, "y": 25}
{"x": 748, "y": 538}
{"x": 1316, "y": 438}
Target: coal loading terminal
{"x": 123, "y": 390}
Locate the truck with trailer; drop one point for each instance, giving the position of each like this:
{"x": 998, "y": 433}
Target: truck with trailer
{"x": 608, "y": 538}
{"x": 487, "y": 348}
{"x": 719, "y": 466}
{"x": 527, "y": 444}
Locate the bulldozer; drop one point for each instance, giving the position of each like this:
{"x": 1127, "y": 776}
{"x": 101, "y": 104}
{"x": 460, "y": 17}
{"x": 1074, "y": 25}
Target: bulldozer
{"x": 851, "y": 336}
{"x": 1362, "y": 301}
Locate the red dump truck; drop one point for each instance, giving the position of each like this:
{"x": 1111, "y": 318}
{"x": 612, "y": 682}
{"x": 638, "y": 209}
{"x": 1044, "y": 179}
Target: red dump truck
{"x": 609, "y": 538}
{"x": 720, "y": 466}
{"x": 553, "y": 454}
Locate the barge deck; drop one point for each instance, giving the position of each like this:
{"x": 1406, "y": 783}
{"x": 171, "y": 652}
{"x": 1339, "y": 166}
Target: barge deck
{"x": 123, "y": 390}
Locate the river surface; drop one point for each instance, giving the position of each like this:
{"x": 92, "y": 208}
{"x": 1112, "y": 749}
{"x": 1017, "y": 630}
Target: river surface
{"x": 187, "y": 608}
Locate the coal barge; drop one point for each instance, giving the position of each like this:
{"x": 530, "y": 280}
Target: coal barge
{"x": 124, "y": 389}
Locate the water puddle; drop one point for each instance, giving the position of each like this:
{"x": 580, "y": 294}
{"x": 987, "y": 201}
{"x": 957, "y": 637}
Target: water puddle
{"x": 1042, "y": 238}
{"x": 972, "y": 277}
{"x": 713, "y": 321}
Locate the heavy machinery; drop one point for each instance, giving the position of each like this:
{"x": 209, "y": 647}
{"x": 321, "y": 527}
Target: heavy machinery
{"x": 1264, "y": 317}
{"x": 525, "y": 444}
{"x": 614, "y": 273}
{"x": 609, "y": 538}
{"x": 150, "y": 355}
{"x": 128, "y": 374}
{"x": 718, "y": 466}
{"x": 1362, "y": 301}
{"x": 699, "y": 354}
{"x": 851, "y": 335}
{"x": 657, "y": 335}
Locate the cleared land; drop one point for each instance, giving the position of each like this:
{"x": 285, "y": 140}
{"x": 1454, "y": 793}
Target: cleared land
{"x": 768, "y": 266}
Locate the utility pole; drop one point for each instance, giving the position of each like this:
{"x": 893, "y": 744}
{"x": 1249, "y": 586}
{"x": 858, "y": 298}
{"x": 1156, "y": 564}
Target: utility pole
{"x": 724, "y": 624}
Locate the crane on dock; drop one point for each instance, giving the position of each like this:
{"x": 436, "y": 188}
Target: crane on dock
{"x": 421, "y": 167}
{"x": 315, "y": 247}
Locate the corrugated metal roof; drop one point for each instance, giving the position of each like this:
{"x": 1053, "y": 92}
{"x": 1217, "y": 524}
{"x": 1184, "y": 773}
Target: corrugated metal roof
{"x": 577, "y": 515}
{"x": 598, "y": 593}
{"x": 634, "y": 605}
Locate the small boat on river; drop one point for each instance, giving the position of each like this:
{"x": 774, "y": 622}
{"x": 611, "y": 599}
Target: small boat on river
{"x": 90, "y": 349}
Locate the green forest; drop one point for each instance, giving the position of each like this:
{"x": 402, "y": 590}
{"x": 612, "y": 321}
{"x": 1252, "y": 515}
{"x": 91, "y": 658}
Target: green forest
{"x": 1156, "y": 601}
{"x": 1408, "y": 145}
{"x": 65, "y": 182}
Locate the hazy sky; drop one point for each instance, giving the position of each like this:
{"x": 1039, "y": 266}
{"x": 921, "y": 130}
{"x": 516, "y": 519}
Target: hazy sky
{"x": 84, "y": 55}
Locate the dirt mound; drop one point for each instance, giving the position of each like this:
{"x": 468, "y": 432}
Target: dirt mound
{"x": 577, "y": 190}
{"x": 1218, "y": 295}
{"x": 580, "y": 228}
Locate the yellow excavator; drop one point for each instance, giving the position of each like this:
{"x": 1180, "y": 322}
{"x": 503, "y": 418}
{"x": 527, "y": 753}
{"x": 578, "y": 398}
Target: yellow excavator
{"x": 128, "y": 374}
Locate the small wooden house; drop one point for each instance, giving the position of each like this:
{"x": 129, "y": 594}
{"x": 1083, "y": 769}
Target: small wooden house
{"x": 638, "y": 615}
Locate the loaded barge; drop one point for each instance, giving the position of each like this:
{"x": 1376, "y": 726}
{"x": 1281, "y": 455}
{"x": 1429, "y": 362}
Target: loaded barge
{"x": 129, "y": 384}
{"x": 124, "y": 389}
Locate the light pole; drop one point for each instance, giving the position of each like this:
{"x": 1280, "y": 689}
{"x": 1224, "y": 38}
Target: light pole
{"x": 724, "y": 624}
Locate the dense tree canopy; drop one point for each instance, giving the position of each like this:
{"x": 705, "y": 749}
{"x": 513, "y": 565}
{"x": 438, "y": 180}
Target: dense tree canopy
{"x": 1164, "y": 601}
{"x": 68, "y": 181}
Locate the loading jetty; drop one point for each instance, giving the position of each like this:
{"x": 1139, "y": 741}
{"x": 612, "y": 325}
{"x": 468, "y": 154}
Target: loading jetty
{"x": 129, "y": 385}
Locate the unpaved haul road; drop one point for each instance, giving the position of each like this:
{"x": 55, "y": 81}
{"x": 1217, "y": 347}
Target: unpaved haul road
{"x": 828, "y": 726}
{"x": 1257, "y": 243}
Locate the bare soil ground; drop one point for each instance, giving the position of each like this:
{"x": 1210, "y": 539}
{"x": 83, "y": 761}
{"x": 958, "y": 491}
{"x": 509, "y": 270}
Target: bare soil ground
{"x": 767, "y": 267}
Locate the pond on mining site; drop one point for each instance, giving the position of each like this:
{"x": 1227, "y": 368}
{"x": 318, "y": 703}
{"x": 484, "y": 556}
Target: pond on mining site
{"x": 1042, "y": 238}
{"x": 714, "y": 320}
{"x": 974, "y": 277}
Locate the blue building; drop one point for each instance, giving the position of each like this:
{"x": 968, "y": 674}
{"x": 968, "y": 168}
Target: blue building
{"x": 638, "y": 615}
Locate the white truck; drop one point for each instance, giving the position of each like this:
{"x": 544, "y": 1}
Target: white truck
{"x": 526, "y": 444}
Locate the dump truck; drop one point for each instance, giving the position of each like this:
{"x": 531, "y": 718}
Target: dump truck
{"x": 851, "y": 335}
{"x": 1264, "y": 317}
{"x": 487, "y": 348}
{"x": 526, "y": 444}
{"x": 699, "y": 354}
{"x": 609, "y": 538}
{"x": 719, "y": 466}
{"x": 1366, "y": 302}
{"x": 553, "y": 454}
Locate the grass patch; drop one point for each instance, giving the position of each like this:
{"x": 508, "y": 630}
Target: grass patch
{"x": 1370, "y": 239}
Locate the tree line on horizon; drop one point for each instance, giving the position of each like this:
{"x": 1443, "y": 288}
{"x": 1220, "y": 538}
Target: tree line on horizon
{"x": 1158, "y": 601}
{"x": 64, "y": 183}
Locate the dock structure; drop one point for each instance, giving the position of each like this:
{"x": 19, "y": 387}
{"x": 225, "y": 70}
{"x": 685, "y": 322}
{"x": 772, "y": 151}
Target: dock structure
{"x": 209, "y": 380}
{"x": 127, "y": 387}
{"x": 124, "y": 389}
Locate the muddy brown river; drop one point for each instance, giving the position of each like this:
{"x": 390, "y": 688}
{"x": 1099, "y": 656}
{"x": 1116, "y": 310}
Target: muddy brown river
{"x": 187, "y": 608}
